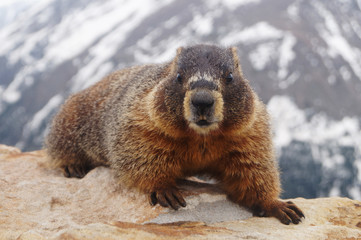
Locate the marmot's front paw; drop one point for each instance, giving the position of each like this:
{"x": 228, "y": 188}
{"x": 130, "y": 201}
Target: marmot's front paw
{"x": 286, "y": 212}
{"x": 170, "y": 197}
{"x": 77, "y": 171}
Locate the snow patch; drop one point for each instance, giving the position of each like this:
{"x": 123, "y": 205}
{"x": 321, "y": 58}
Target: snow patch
{"x": 327, "y": 138}
{"x": 11, "y": 9}
{"x": 40, "y": 117}
{"x": 100, "y": 54}
{"x": 335, "y": 190}
{"x": 287, "y": 55}
{"x": 345, "y": 73}
{"x": 263, "y": 55}
{"x": 15, "y": 29}
{"x": 172, "y": 22}
{"x": 355, "y": 191}
{"x": 233, "y": 4}
{"x": 291, "y": 79}
{"x": 293, "y": 11}
{"x": 356, "y": 27}
{"x": 203, "y": 24}
{"x": 337, "y": 44}
{"x": 258, "y": 32}
{"x": 24, "y": 52}
{"x": 290, "y": 123}
{"x": 286, "y": 119}
{"x": 230, "y": 4}
{"x": 79, "y": 30}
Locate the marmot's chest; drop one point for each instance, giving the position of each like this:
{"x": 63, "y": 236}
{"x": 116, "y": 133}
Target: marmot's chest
{"x": 200, "y": 156}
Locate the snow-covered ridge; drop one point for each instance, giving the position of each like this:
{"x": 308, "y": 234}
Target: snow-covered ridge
{"x": 291, "y": 123}
{"x": 326, "y": 139}
{"x": 337, "y": 43}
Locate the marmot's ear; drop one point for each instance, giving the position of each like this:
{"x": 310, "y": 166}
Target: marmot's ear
{"x": 237, "y": 64}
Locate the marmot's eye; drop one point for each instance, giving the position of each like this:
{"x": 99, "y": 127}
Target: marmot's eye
{"x": 179, "y": 78}
{"x": 229, "y": 78}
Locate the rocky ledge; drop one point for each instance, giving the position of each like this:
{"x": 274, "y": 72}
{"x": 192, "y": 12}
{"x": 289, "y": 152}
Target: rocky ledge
{"x": 37, "y": 202}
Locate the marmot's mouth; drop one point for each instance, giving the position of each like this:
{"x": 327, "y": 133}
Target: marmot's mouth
{"x": 203, "y": 123}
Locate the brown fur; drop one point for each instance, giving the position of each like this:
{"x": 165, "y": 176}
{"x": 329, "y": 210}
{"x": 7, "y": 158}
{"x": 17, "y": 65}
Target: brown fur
{"x": 144, "y": 123}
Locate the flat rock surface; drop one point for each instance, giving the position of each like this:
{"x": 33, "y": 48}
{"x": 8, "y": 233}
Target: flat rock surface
{"x": 37, "y": 202}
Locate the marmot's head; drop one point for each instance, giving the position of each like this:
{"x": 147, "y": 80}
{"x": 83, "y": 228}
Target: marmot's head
{"x": 205, "y": 91}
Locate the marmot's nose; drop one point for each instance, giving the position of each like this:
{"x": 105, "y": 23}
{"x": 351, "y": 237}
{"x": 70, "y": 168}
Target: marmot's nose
{"x": 202, "y": 101}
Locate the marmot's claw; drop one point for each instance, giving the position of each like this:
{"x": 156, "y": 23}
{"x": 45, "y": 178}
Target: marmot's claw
{"x": 168, "y": 198}
{"x": 293, "y": 206}
{"x": 153, "y": 199}
{"x": 286, "y": 212}
{"x": 74, "y": 171}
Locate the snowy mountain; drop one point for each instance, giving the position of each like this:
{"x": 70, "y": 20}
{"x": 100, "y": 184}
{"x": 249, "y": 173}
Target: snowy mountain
{"x": 302, "y": 57}
{"x": 9, "y": 10}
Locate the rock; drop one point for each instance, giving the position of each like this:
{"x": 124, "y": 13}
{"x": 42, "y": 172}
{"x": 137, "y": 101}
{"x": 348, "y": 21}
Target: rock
{"x": 37, "y": 202}
{"x": 4, "y": 150}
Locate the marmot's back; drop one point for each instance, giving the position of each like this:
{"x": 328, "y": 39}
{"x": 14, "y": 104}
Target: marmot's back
{"x": 158, "y": 123}
{"x": 81, "y": 125}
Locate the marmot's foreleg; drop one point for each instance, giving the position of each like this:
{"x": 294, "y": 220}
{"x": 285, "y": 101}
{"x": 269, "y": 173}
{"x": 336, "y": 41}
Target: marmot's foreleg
{"x": 155, "y": 178}
{"x": 257, "y": 187}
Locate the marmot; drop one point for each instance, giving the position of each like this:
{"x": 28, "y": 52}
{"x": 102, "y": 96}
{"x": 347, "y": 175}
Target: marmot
{"x": 154, "y": 124}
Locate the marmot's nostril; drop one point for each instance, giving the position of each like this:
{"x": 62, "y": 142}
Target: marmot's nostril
{"x": 202, "y": 100}
{"x": 203, "y": 103}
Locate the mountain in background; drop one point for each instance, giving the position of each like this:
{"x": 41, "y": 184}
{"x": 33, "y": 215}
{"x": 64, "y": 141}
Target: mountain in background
{"x": 302, "y": 57}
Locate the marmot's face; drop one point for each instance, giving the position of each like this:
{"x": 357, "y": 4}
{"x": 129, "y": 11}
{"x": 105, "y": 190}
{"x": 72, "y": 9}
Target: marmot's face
{"x": 203, "y": 103}
{"x": 208, "y": 83}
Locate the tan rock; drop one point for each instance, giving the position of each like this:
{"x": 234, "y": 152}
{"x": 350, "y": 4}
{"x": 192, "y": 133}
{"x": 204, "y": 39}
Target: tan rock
{"x": 37, "y": 202}
{"x": 7, "y": 150}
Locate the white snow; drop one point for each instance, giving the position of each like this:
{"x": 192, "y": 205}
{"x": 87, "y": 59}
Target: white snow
{"x": 232, "y": 4}
{"x": 172, "y": 22}
{"x": 258, "y": 32}
{"x": 14, "y": 30}
{"x": 286, "y": 119}
{"x": 23, "y": 52}
{"x": 11, "y": 9}
{"x": 355, "y": 25}
{"x": 335, "y": 190}
{"x": 34, "y": 124}
{"x": 291, "y": 79}
{"x": 357, "y": 165}
{"x": 108, "y": 22}
{"x": 355, "y": 191}
{"x": 345, "y": 73}
{"x": 262, "y": 55}
{"x": 7, "y": 3}
{"x": 293, "y": 11}
{"x": 324, "y": 136}
{"x": 203, "y": 24}
{"x": 337, "y": 44}
{"x": 286, "y": 55}
{"x": 122, "y": 20}
{"x": 290, "y": 123}
{"x": 11, "y": 94}
{"x": 79, "y": 30}
{"x": 149, "y": 50}
{"x": 268, "y": 51}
